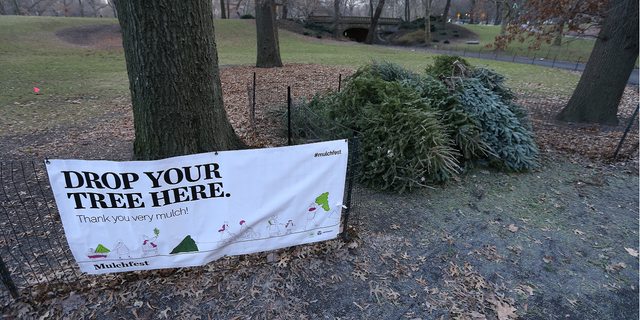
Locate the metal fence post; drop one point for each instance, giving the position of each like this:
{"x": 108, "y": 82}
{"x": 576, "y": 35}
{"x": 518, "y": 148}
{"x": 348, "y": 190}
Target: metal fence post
{"x": 351, "y": 176}
{"x": 534, "y": 58}
{"x": 554, "y": 60}
{"x": 577, "y": 63}
{"x": 339, "y": 82}
{"x": 6, "y": 279}
{"x": 289, "y": 115}
{"x": 253, "y": 107}
{"x": 615, "y": 154}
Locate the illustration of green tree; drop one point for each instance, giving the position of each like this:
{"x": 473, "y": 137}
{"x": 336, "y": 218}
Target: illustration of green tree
{"x": 187, "y": 245}
{"x": 102, "y": 249}
{"x": 323, "y": 200}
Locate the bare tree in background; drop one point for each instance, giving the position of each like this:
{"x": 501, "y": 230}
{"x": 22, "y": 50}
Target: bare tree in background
{"x": 374, "y": 21}
{"x": 267, "y": 33}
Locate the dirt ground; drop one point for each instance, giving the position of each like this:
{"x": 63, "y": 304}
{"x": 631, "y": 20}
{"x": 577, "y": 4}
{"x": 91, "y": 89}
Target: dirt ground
{"x": 557, "y": 243}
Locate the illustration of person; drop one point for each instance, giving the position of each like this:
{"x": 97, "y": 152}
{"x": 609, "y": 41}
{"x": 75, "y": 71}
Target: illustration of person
{"x": 149, "y": 248}
{"x": 274, "y": 229}
{"x": 225, "y": 228}
{"x": 247, "y": 232}
{"x": 121, "y": 249}
{"x": 311, "y": 217}
{"x": 289, "y": 227}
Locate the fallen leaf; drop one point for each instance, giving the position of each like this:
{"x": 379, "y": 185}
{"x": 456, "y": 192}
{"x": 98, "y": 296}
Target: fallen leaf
{"x": 512, "y": 228}
{"x": 395, "y": 227}
{"x": 632, "y": 252}
{"x": 573, "y": 302}
{"x": 576, "y": 231}
{"x": 547, "y": 259}
{"x": 505, "y": 311}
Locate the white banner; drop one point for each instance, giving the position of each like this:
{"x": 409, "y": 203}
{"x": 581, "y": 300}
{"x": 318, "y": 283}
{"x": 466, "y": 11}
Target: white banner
{"x": 190, "y": 210}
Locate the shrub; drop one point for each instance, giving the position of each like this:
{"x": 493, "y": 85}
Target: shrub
{"x": 435, "y": 40}
{"x": 443, "y": 64}
{"x": 418, "y": 24}
{"x": 247, "y": 16}
{"x": 446, "y": 41}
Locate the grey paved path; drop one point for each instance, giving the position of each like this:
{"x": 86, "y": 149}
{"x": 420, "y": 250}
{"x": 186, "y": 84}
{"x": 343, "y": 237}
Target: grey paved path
{"x": 633, "y": 79}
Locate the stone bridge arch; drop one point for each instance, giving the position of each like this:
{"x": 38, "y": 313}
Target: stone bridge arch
{"x": 357, "y": 28}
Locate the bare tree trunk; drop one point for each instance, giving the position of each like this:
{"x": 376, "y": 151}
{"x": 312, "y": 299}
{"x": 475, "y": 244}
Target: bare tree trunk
{"x": 506, "y": 15}
{"x": 498, "y": 12}
{"x": 267, "y": 33}
{"x": 81, "y": 5}
{"x": 336, "y": 18}
{"x": 223, "y": 12}
{"x": 605, "y": 77}
{"x": 427, "y": 22}
{"x": 15, "y": 6}
{"x": 407, "y": 10}
{"x": 172, "y": 63}
{"x": 374, "y": 22}
{"x": 557, "y": 41}
{"x": 285, "y": 9}
{"x": 445, "y": 14}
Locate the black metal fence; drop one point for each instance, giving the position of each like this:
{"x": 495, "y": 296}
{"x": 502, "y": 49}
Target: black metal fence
{"x": 36, "y": 261}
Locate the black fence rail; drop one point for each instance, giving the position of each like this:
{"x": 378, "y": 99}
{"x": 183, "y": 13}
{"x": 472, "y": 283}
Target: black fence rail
{"x": 37, "y": 263}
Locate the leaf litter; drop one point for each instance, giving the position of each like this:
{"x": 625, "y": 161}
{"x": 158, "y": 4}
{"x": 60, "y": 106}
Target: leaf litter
{"x": 418, "y": 271}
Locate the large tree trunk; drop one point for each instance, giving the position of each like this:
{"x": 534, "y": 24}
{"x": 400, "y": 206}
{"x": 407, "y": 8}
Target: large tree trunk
{"x": 374, "y": 23}
{"x": 267, "y": 31}
{"x": 605, "y": 77}
{"x": 172, "y": 63}
{"x": 445, "y": 14}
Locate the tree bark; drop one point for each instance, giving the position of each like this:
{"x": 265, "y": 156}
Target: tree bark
{"x": 407, "y": 10}
{"x": 557, "y": 41}
{"x": 223, "y": 10}
{"x": 498, "y": 13}
{"x": 336, "y": 19}
{"x": 427, "y": 22}
{"x": 605, "y": 77}
{"x": 445, "y": 14}
{"x": 267, "y": 32}
{"x": 374, "y": 22}
{"x": 172, "y": 63}
{"x": 81, "y": 5}
{"x": 285, "y": 9}
{"x": 506, "y": 15}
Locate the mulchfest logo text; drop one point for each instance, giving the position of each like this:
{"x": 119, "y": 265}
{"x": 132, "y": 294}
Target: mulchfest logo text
{"x": 111, "y": 187}
{"x": 120, "y": 265}
{"x": 328, "y": 153}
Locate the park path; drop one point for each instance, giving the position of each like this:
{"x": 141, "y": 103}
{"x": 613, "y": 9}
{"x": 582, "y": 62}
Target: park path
{"x": 575, "y": 66}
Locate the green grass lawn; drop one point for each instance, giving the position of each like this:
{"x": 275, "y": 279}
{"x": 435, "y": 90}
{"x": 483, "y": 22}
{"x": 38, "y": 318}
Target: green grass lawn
{"x": 77, "y": 83}
{"x": 572, "y": 49}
